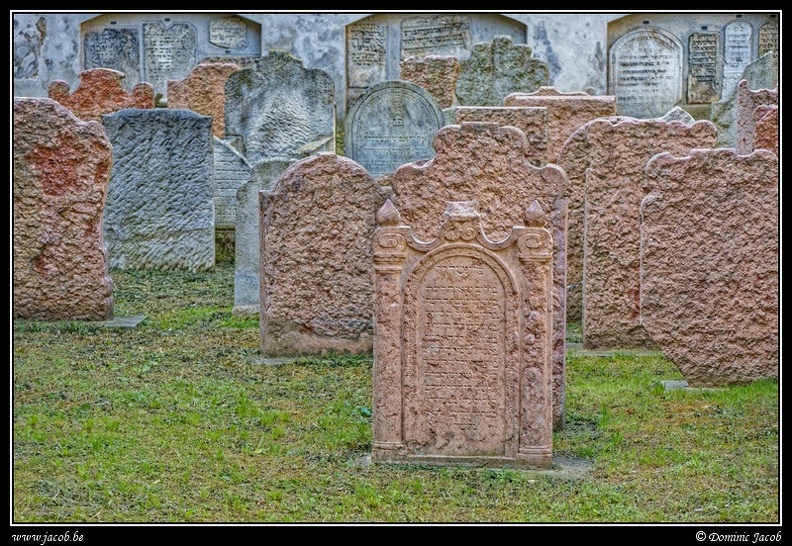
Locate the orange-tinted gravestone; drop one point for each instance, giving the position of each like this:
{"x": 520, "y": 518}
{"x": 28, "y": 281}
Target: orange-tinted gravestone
{"x": 748, "y": 100}
{"x": 203, "y": 91}
{"x": 766, "y": 122}
{"x": 436, "y": 73}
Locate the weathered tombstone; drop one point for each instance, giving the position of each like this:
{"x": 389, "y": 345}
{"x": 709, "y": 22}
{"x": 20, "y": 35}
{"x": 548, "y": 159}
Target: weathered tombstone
{"x": 114, "y": 48}
{"x": 614, "y": 190}
{"x": 61, "y": 172}
{"x": 100, "y": 92}
{"x": 462, "y": 367}
{"x": 490, "y": 164}
{"x": 768, "y": 38}
{"x": 391, "y": 124}
{"x": 316, "y": 283}
{"x": 678, "y": 114}
{"x": 748, "y": 101}
{"x": 710, "y": 264}
{"x": 736, "y": 54}
{"x": 565, "y": 112}
{"x": 531, "y": 121}
{"x": 645, "y": 73}
{"x": 496, "y": 69}
{"x": 766, "y": 121}
{"x": 247, "y": 251}
{"x": 703, "y": 83}
{"x": 280, "y": 109}
{"x": 230, "y": 172}
{"x": 160, "y": 205}
{"x": 169, "y": 52}
{"x": 203, "y": 91}
{"x": 436, "y": 73}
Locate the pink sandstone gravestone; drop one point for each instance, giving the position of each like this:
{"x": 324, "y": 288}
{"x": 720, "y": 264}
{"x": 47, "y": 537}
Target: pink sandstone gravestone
{"x": 491, "y": 165}
{"x": 749, "y": 100}
{"x": 766, "y": 122}
{"x": 315, "y": 269}
{"x": 61, "y": 176}
{"x": 436, "y": 73}
{"x": 462, "y": 351}
{"x": 100, "y": 92}
{"x": 203, "y": 91}
{"x": 710, "y": 264}
{"x": 614, "y": 190}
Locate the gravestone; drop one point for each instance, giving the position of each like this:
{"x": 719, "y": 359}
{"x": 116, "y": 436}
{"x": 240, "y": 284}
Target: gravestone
{"x": 160, "y": 206}
{"x": 436, "y": 73}
{"x": 315, "y": 228}
{"x": 645, "y": 73}
{"x": 531, "y": 121}
{"x": 614, "y": 190}
{"x": 565, "y": 112}
{"x": 203, "y": 91}
{"x": 100, "y": 92}
{"x": 280, "y": 109}
{"x": 114, "y": 48}
{"x": 490, "y": 164}
{"x": 61, "y": 172}
{"x": 768, "y": 38}
{"x": 703, "y": 83}
{"x": 496, "y": 69}
{"x": 230, "y": 172}
{"x": 748, "y": 101}
{"x": 247, "y": 253}
{"x": 710, "y": 264}
{"x": 736, "y": 53}
{"x": 766, "y": 121}
{"x": 391, "y": 124}
{"x": 462, "y": 368}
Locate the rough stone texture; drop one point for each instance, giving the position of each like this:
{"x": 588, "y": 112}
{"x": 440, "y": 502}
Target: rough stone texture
{"x": 531, "y": 121}
{"x": 496, "y": 69}
{"x": 316, "y": 278}
{"x": 61, "y": 174}
{"x": 160, "y": 206}
{"x": 614, "y": 190}
{"x": 280, "y": 109}
{"x": 565, "y": 113}
{"x": 436, "y": 73}
{"x": 489, "y": 164}
{"x": 100, "y": 92}
{"x": 462, "y": 357}
{"x": 766, "y": 121}
{"x": 710, "y": 264}
{"x": 247, "y": 253}
{"x": 391, "y": 124}
{"x": 747, "y": 101}
{"x": 203, "y": 91}
{"x": 678, "y": 114}
{"x": 231, "y": 170}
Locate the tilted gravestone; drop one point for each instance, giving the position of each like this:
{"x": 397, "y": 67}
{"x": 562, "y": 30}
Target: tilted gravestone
{"x": 61, "y": 173}
{"x": 497, "y": 69}
{"x": 280, "y": 109}
{"x": 203, "y": 91}
{"x": 160, "y": 206}
{"x": 619, "y": 153}
{"x": 315, "y": 269}
{"x": 100, "y": 92}
{"x": 462, "y": 352}
{"x": 436, "y": 73}
{"x": 490, "y": 164}
{"x": 391, "y": 124}
{"x": 710, "y": 264}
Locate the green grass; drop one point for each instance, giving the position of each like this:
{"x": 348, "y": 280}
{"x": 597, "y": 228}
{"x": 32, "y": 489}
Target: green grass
{"x": 178, "y": 420}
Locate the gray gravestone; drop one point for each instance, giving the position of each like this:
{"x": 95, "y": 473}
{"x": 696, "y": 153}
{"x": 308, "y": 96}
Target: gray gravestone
{"x": 736, "y": 54}
{"x": 160, "y": 205}
{"x": 703, "y": 83}
{"x": 169, "y": 53}
{"x": 230, "y": 171}
{"x": 393, "y": 123}
{"x": 116, "y": 48}
{"x": 228, "y": 32}
{"x": 768, "y": 38}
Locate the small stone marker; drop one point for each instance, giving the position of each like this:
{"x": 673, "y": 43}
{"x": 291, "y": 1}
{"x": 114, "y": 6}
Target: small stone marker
{"x": 462, "y": 354}
{"x": 436, "y": 73}
{"x": 203, "y": 91}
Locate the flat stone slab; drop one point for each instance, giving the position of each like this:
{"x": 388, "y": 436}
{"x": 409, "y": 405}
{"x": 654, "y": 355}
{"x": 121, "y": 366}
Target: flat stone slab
{"x": 121, "y": 322}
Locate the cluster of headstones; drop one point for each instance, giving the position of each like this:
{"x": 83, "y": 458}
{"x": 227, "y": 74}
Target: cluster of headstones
{"x": 463, "y": 291}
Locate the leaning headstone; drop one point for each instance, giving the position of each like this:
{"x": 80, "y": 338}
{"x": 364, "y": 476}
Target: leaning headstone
{"x": 160, "y": 206}
{"x": 61, "y": 173}
{"x": 565, "y": 112}
{"x": 462, "y": 368}
{"x": 230, "y": 172}
{"x": 203, "y": 91}
{"x": 391, "y": 124}
{"x": 766, "y": 121}
{"x": 496, "y": 69}
{"x": 490, "y": 164}
{"x": 747, "y": 101}
{"x": 531, "y": 121}
{"x": 316, "y": 283}
{"x": 436, "y": 73}
{"x": 710, "y": 264}
{"x": 247, "y": 252}
{"x": 614, "y": 190}
{"x": 280, "y": 109}
{"x": 100, "y": 92}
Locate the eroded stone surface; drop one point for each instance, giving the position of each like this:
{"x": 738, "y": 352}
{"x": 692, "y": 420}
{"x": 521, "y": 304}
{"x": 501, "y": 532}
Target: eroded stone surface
{"x": 160, "y": 206}
{"x": 709, "y": 264}
{"x": 766, "y": 123}
{"x": 749, "y": 100}
{"x": 496, "y": 69}
{"x": 489, "y": 164}
{"x": 61, "y": 174}
{"x": 100, "y": 92}
{"x": 462, "y": 366}
{"x": 436, "y": 73}
{"x": 531, "y": 121}
{"x": 203, "y": 91}
{"x": 614, "y": 190}
{"x": 316, "y": 283}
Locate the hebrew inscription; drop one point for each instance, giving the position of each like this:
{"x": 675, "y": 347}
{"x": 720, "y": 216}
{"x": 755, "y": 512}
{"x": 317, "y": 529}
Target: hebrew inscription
{"x": 435, "y": 35}
{"x": 116, "y": 48}
{"x": 228, "y": 33}
{"x": 703, "y": 86}
{"x": 768, "y": 38}
{"x": 366, "y": 54}
{"x": 736, "y": 54}
{"x": 168, "y": 53}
